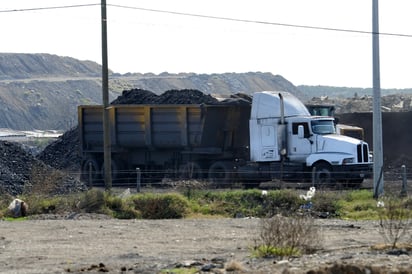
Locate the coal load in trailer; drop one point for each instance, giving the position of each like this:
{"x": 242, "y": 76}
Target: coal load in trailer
{"x": 164, "y": 135}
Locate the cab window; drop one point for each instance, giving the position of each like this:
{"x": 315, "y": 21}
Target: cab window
{"x": 305, "y": 129}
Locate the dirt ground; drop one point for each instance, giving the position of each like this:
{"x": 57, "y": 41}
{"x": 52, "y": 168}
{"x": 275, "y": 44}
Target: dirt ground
{"x": 92, "y": 243}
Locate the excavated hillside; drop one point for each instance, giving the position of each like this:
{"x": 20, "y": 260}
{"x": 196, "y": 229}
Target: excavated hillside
{"x": 42, "y": 91}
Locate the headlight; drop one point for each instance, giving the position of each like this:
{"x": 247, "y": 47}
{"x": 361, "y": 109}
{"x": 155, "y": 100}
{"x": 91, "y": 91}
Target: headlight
{"x": 348, "y": 161}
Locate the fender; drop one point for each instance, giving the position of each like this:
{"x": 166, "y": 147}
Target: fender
{"x": 331, "y": 158}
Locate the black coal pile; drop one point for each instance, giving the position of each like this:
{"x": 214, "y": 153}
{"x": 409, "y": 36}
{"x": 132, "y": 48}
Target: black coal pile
{"x": 15, "y": 166}
{"x": 184, "y": 96}
{"x": 63, "y": 154}
{"x": 20, "y": 171}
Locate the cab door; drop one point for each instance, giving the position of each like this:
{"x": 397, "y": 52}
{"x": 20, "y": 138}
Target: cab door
{"x": 300, "y": 145}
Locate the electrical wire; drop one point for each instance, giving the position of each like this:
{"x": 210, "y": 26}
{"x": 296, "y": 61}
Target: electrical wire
{"x": 260, "y": 22}
{"x": 214, "y": 18}
{"x": 49, "y": 8}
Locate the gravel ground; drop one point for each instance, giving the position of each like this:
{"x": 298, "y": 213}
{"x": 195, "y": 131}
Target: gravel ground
{"x": 94, "y": 243}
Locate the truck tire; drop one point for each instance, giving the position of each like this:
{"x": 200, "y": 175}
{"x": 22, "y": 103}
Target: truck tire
{"x": 90, "y": 165}
{"x": 116, "y": 172}
{"x": 220, "y": 174}
{"x": 323, "y": 175}
{"x": 190, "y": 170}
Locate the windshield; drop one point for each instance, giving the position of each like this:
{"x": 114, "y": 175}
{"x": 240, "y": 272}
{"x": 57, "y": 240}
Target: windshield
{"x": 323, "y": 127}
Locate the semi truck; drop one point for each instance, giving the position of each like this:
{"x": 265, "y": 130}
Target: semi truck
{"x": 274, "y": 137}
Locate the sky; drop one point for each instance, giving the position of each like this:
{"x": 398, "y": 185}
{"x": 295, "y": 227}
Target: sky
{"x": 308, "y": 42}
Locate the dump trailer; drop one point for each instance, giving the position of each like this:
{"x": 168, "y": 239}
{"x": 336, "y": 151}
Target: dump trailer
{"x": 273, "y": 138}
{"x": 164, "y": 140}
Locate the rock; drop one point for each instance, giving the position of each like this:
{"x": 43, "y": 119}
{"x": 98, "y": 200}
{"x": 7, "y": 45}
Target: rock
{"x": 18, "y": 208}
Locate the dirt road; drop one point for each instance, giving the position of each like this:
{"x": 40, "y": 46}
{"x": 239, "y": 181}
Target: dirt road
{"x": 81, "y": 243}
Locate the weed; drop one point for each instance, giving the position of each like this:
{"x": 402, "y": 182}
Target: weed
{"x": 92, "y": 201}
{"x": 166, "y": 206}
{"x": 248, "y": 202}
{"x": 42, "y": 180}
{"x": 121, "y": 208}
{"x": 357, "y": 205}
{"x": 191, "y": 270}
{"x": 395, "y": 221}
{"x": 281, "y": 202}
{"x": 286, "y": 236}
{"x": 326, "y": 202}
{"x": 13, "y": 219}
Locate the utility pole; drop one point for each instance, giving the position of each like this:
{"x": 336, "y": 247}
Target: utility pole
{"x": 105, "y": 92}
{"x": 377, "y": 113}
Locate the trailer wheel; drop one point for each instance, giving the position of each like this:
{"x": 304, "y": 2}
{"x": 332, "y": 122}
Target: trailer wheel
{"x": 115, "y": 166}
{"x": 323, "y": 175}
{"x": 90, "y": 167}
{"x": 190, "y": 170}
{"x": 220, "y": 174}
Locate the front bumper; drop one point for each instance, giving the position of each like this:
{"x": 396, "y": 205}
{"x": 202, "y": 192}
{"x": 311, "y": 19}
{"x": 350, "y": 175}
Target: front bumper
{"x": 353, "y": 172}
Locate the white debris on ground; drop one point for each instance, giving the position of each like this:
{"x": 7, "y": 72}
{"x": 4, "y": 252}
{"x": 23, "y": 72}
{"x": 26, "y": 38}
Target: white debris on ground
{"x": 309, "y": 195}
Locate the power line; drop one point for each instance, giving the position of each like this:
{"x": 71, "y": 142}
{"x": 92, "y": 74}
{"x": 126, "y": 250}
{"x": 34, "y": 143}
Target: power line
{"x": 49, "y": 8}
{"x": 214, "y": 18}
{"x": 260, "y": 22}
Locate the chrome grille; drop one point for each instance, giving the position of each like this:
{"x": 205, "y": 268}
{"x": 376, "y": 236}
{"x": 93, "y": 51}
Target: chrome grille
{"x": 363, "y": 153}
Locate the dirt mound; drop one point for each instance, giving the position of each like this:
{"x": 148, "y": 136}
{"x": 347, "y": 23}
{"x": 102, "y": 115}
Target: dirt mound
{"x": 389, "y": 103}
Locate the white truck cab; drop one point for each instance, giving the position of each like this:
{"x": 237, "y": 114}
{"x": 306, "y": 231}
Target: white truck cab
{"x": 282, "y": 129}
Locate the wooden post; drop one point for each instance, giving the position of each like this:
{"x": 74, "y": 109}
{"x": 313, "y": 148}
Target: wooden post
{"x": 404, "y": 182}
{"x": 90, "y": 175}
{"x": 138, "y": 179}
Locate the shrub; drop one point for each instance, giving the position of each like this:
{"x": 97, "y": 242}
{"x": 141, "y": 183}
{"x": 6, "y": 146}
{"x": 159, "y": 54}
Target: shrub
{"x": 41, "y": 204}
{"x": 92, "y": 201}
{"x": 286, "y": 236}
{"x": 281, "y": 202}
{"x": 5, "y": 200}
{"x": 121, "y": 208}
{"x": 395, "y": 221}
{"x": 326, "y": 202}
{"x": 166, "y": 206}
{"x": 249, "y": 202}
{"x": 43, "y": 180}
